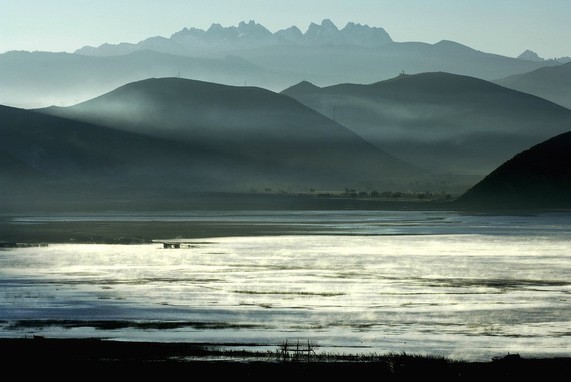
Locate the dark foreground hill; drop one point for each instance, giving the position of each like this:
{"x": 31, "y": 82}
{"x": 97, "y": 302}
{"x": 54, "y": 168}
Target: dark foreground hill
{"x": 539, "y": 177}
{"x": 445, "y": 122}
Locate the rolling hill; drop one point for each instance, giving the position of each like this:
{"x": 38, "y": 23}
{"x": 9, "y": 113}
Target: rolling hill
{"x": 444, "y": 122}
{"x": 285, "y": 143}
{"x": 552, "y": 83}
{"x": 539, "y": 177}
{"x": 47, "y": 155}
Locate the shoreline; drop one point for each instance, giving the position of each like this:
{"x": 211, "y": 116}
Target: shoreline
{"x": 103, "y": 356}
{"x": 89, "y": 227}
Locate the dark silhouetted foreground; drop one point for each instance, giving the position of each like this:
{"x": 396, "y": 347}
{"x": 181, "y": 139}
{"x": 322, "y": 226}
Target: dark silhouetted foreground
{"x": 73, "y": 358}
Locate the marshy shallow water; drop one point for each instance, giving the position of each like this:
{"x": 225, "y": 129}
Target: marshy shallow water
{"x": 434, "y": 283}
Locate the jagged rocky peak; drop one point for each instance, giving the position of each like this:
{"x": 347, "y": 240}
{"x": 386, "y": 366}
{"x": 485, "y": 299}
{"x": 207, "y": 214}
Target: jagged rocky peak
{"x": 352, "y": 27}
{"x": 327, "y": 28}
{"x": 365, "y": 35}
{"x": 292, "y": 34}
{"x": 244, "y": 30}
{"x": 253, "y": 29}
{"x": 188, "y": 32}
{"x": 252, "y": 34}
{"x": 530, "y": 55}
{"x": 217, "y": 30}
{"x": 328, "y": 24}
{"x": 351, "y": 34}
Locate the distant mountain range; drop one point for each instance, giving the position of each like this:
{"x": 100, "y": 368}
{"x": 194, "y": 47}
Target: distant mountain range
{"x": 367, "y": 113}
{"x": 325, "y": 54}
{"x": 552, "y": 83}
{"x": 219, "y": 39}
{"x": 447, "y": 123}
{"x": 247, "y": 54}
{"x": 539, "y": 177}
{"x": 532, "y": 56}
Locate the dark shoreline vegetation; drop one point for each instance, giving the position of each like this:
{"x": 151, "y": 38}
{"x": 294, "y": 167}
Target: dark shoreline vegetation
{"x": 125, "y": 231}
{"x": 141, "y": 231}
{"x": 101, "y": 356}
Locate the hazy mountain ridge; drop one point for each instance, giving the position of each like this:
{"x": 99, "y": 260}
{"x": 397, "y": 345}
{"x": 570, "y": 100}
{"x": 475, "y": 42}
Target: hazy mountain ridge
{"x": 448, "y": 123}
{"x": 552, "y": 83}
{"x": 539, "y": 177}
{"x": 326, "y": 54}
{"x": 530, "y": 55}
{"x": 247, "y": 54}
{"x": 46, "y": 156}
{"x": 288, "y": 143}
{"x": 248, "y": 35}
{"x": 64, "y": 151}
{"x": 168, "y": 137}
{"x": 42, "y": 78}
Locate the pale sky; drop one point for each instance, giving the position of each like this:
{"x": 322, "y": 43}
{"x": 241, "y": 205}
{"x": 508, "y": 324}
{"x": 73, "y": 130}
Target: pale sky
{"x": 506, "y": 27}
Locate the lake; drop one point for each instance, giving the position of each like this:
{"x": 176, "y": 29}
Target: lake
{"x": 464, "y": 286}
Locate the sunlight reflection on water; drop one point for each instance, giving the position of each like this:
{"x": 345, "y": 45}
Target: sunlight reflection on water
{"x": 461, "y": 295}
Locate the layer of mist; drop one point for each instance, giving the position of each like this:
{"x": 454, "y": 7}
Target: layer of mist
{"x": 447, "y": 123}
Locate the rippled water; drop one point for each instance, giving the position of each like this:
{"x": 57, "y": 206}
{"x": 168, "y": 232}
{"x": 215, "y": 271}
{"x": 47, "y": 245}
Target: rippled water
{"x": 437, "y": 283}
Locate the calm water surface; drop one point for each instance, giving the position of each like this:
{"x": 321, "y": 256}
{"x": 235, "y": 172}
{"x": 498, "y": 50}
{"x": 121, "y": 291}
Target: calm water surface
{"x": 438, "y": 283}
